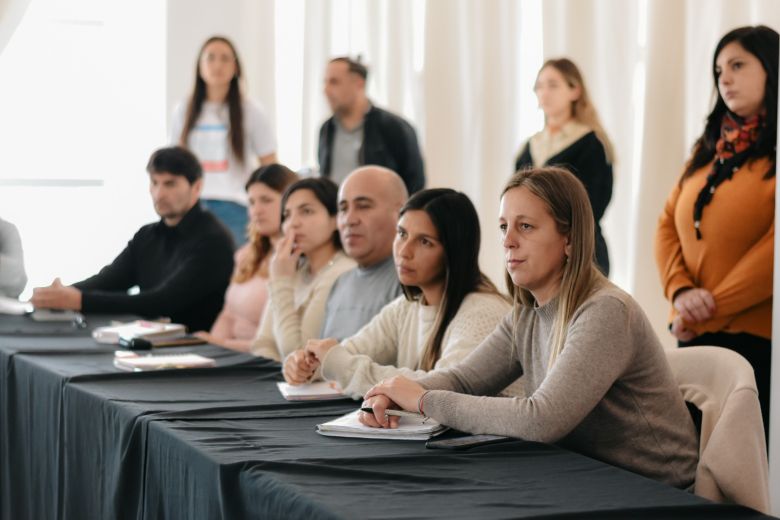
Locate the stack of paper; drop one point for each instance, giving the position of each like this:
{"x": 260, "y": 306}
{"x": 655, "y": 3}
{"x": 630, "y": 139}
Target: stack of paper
{"x": 321, "y": 391}
{"x": 137, "y": 329}
{"x": 409, "y": 428}
{"x": 135, "y": 363}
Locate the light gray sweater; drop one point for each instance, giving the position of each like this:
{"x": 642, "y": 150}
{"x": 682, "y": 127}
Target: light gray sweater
{"x": 610, "y": 394}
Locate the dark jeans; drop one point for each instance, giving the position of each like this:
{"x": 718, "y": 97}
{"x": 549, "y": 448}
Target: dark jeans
{"x": 758, "y": 352}
{"x": 232, "y": 215}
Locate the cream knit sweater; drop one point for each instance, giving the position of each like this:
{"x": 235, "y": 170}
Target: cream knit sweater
{"x": 296, "y": 308}
{"x": 394, "y": 341}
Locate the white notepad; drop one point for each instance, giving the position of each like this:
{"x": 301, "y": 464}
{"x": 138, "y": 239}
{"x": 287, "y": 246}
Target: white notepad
{"x": 320, "y": 391}
{"x": 409, "y": 428}
{"x": 134, "y": 363}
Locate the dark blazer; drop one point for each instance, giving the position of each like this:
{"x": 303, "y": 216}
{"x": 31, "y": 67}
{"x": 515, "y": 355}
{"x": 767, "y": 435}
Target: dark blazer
{"x": 388, "y": 140}
{"x": 587, "y": 159}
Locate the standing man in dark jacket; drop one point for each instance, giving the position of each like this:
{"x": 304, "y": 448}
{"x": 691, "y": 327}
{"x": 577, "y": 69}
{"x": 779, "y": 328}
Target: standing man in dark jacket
{"x": 181, "y": 264}
{"x": 360, "y": 134}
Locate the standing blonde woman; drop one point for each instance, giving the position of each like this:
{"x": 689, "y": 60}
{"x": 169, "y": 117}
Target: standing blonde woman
{"x": 572, "y": 138}
{"x": 596, "y": 377}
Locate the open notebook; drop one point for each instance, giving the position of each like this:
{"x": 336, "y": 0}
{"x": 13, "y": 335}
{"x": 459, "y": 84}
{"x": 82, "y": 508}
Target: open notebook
{"x": 320, "y": 391}
{"x": 409, "y": 428}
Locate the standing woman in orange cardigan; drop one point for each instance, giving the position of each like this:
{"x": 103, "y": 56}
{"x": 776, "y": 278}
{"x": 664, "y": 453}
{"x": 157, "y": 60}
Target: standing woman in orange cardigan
{"x": 715, "y": 239}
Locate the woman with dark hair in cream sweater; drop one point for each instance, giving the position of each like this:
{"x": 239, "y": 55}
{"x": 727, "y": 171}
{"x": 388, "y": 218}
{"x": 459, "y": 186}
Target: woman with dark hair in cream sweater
{"x": 596, "y": 377}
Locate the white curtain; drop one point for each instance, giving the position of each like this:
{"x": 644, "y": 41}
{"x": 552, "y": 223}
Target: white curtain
{"x": 473, "y": 105}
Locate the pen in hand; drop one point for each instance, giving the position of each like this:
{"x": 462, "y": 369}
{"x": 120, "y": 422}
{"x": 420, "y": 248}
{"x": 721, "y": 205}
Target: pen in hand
{"x": 390, "y": 411}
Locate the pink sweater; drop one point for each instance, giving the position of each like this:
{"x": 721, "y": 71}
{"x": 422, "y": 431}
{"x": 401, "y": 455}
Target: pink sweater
{"x": 244, "y": 305}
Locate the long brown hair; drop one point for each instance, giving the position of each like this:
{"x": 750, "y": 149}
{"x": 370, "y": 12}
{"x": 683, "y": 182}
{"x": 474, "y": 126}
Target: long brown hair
{"x": 278, "y": 178}
{"x": 582, "y": 109}
{"x": 568, "y": 204}
{"x": 457, "y": 223}
{"x": 235, "y": 111}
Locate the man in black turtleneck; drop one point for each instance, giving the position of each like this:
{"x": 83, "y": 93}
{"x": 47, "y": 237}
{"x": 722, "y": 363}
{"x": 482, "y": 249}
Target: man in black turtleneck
{"x": 182, "y": 264}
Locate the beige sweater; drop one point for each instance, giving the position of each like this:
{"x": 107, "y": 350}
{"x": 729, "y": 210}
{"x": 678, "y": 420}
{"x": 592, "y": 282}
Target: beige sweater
{"x": 393, "y": 342}
{"x": 296, "y": 308}
{"x": 610, "y": 395}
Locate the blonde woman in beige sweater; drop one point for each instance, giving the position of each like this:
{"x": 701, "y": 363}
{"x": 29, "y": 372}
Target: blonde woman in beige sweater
{"x": 447, "y": 309}
{"x": 304, "y": 267}
{"x": 596, "y": 377}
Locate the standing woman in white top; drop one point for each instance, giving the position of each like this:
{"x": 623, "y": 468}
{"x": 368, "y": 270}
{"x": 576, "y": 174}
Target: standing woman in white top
{"x": 447, "y": 309}
{"x": 306, "y": 262}
{"x": 573, "y": 138}
{"x": 228, "y": 132}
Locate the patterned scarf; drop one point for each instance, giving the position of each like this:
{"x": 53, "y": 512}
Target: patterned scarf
{"x": 737, "y": 136}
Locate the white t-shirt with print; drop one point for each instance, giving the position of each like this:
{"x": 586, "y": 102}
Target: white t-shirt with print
{"x": 224, "y": 176}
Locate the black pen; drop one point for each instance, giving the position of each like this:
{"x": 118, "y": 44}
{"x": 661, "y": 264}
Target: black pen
{"x": 390, "y": 411}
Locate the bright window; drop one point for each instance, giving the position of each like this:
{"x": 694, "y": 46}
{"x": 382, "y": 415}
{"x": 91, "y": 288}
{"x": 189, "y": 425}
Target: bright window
{"x": 83, "y": 106}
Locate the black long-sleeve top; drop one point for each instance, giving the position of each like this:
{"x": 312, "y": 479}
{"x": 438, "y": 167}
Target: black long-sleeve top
{"x": 182, "y": 273}
{"x": 587, "y": 159}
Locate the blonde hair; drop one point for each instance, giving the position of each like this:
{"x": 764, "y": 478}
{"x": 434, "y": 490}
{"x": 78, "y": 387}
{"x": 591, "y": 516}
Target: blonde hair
{"x": 568, "y": 204}
{"x": 583, "y": 109}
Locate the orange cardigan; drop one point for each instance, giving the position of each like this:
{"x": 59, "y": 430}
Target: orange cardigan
{"x": 734, "y": 258}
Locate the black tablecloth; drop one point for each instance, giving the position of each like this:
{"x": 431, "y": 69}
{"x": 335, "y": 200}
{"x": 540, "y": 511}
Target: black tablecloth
{"x": 26, "y": 326}
{"x": 80, "y": 439}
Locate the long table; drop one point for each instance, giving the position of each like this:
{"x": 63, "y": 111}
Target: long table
{"x": 80, "y": 439}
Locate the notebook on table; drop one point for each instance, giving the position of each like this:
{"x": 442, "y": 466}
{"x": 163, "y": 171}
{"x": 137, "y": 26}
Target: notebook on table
{"x": 319, "y": 391}
{"x": 409, "y": 428}
{"x": 137, "y": 329}
{"x": 132, "y": 362}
